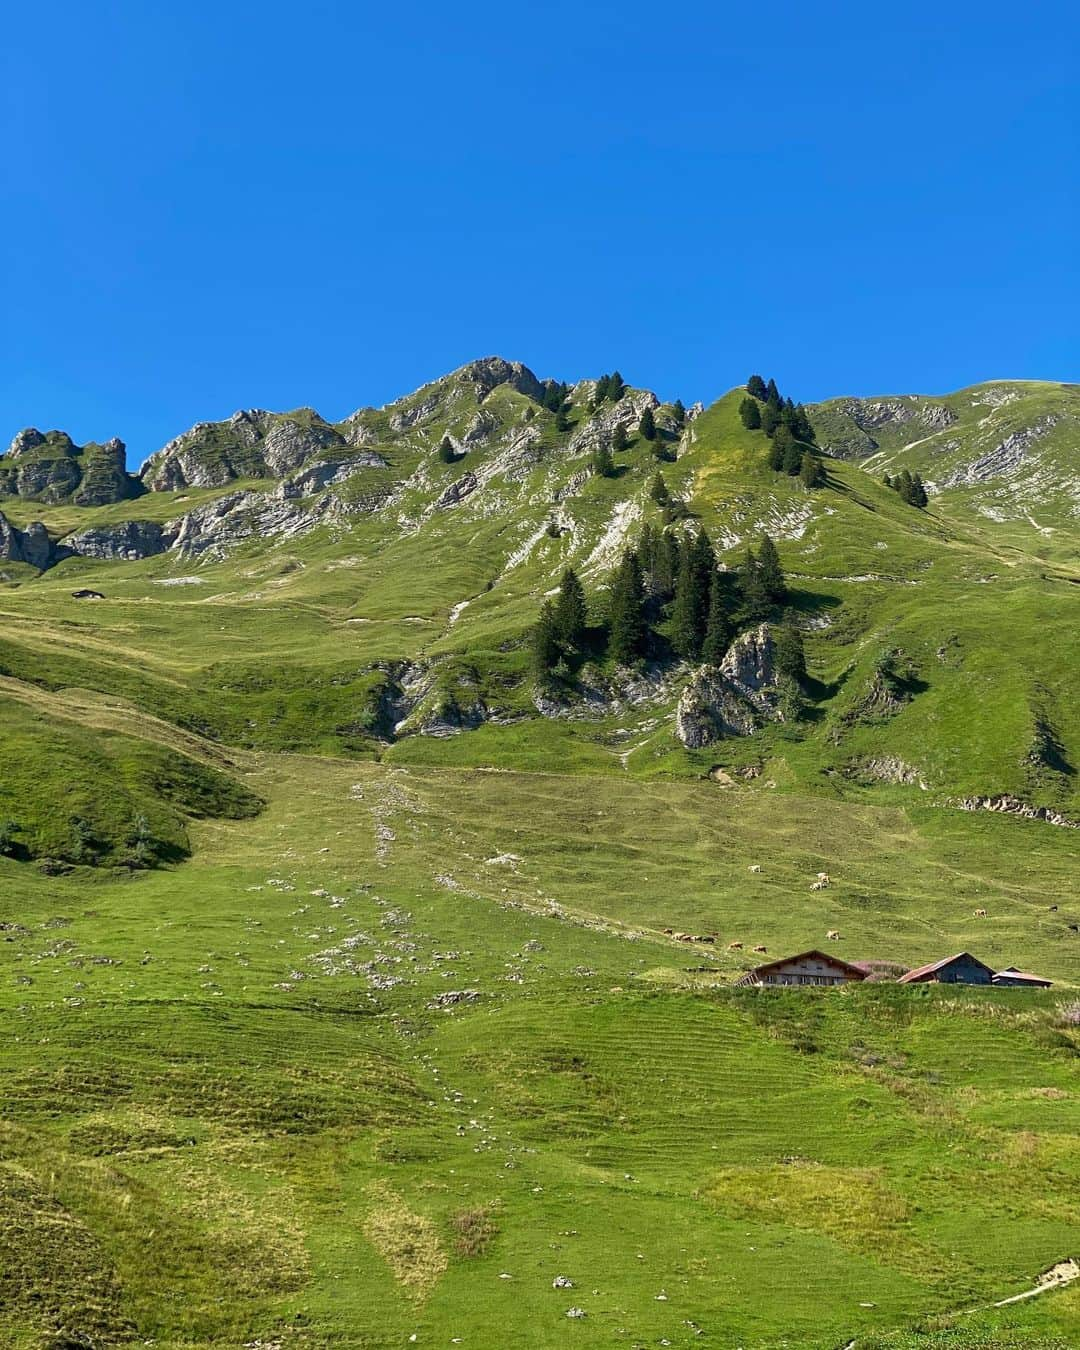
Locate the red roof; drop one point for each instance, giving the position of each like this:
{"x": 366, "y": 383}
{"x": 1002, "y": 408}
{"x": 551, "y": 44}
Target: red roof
{"x": 922, "y": 971}
{"x": 856, "y": 971}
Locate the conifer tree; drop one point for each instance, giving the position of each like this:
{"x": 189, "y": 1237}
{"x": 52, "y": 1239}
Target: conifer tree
{"x": 626, "y": 612}
{"x": 770, "y": 419}
{"x": 755, "y": 387}
{"x": 544, "y": 641}
{"x": 750, "y": 414}
{"x": 773, "y": 582}
{"x": 619, "y": 438}
{"x": 756, "y": 603}
{"x": 602, "y": 463}
{"x": 811, "y": 472}
{"x": 570, "y": 612}
{"x": 616, "y": 387}
{"x": 603, "y": 384}
{"x": 918, "y": 496}
{"x": 685, "y": 628}
{"x": 562, "y": 422}
{"x": 789, "y": 659}
{"x": 647, "y": 425}
{"x": 792, "y": 456}
{"x": 658, "y": 491}
{"x": 772, "y": 395}
{"x": 666, "y": 571}
{"x": 717, "y": 626}
{"x": 678, "y": 412}
{"x": 776, "y": 453}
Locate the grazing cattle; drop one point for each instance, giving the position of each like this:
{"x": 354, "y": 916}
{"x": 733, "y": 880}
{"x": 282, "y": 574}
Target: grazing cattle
{"x": 734, "y": 946}
{"x": 761, "y": 950}
{"x": 824, "y": 876}
{"x": 980, "y": 913}
{"x": 669, "y": 931}
{"x": 706, "y": 938}
{"x": 818, "y": 886}
{"x": 755, "y": 868}
{"x": 1053, "y": 909}
{"x": 832, "y": 935}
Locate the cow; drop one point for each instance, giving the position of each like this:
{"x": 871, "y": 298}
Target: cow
{"x": 734, "y": 946}
{"x": 755, "y": 867}
{"x": 824, "y": 876}
{"x": 706, "y": 938}
{"x": 980, "y": 914}
{"x": 819, "y": 885}
{"x": 669, "y": 932}
{"x": 761, "y": 951}
{"x": 832, "y": 935}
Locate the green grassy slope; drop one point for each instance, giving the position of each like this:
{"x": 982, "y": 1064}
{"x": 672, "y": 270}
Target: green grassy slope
{"x": 404, "y": 1038}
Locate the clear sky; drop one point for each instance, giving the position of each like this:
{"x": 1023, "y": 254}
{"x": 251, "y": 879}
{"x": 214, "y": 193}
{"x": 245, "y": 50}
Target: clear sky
{"x": 208, "y": 206}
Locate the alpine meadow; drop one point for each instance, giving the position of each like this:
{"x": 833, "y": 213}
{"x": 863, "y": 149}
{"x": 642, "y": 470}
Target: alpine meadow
{"x": 403, "y": 820}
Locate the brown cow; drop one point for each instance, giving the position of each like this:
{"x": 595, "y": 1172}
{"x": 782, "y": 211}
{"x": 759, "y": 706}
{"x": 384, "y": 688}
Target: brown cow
{"x": 980, "y": 914}
{"x": 734, "y": 946}
{"x": 761, "y": 950}
{"x": 832, "y": 935}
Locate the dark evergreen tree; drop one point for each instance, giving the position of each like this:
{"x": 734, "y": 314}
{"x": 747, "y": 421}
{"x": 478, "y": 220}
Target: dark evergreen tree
{"x": 685, "y": 611}
{"x": 772, "y": 395}
{"x": 755, "y": 599}
{"x": 789, "y": 660}
{"x": 602, "y": 462}
{"x": 803, "y": 427}
{"x": 658, "y": 491}
{"x": 647, "y": 425}
{"x": 750, "y": 413}
{"x": 755, "y": 387}
{"x": 811, "y": 471}
{"x": 667, "y": 564}
{"x": 776, "y": 452}
{"x": 770, "y": 419}
{"x": 619, "y": 438}
{"x": 773, "y": 582}
{"x": 792, "y": 457}
{"x": 647, "y": 548}
{"x": 545, "y": 642}
{"x": 918, "y": 496}
{"x": 718, "y": 632}
{"x": 603, "y": 384}
{"x": 570, "y": 611}
{"x": 678, "y": 412}
{"x": 904, "y": 484}
{"x": 626, "y": 611}
{"x": 616, "y": 387}
{"x": 447, "y": 453}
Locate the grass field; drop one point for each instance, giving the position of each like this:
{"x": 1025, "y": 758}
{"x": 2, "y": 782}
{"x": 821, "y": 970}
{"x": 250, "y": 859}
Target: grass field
{"x": 391, "y": 1037}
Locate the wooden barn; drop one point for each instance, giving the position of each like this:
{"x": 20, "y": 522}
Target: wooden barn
{"x": 806, "y": 968}
{"x": 963, "y": 968}
{"x": 1011, "y": 978}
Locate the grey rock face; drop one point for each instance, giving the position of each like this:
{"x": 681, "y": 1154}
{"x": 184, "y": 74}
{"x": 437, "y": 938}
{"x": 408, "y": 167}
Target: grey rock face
{"x": 599, "y": 429}
{"x": 52, "y": 468}
{"x": 222, "y": 524}
{"x": 1004, "y": 459}
{"x": 250, "y": 444}
{"x": 491, "y": 371}
{"x": 128, "y": 541}
{"x": 457, "y": 491}
{"x": 1013, "y": 806}
{"x": 733, "y": 698}
{"x": 32, "y": 545}
{"x": 329, "y": 472}
{"x": 28, "y": 439}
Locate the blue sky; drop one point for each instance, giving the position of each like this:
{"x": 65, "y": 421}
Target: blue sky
{"x": 213, "y": 206}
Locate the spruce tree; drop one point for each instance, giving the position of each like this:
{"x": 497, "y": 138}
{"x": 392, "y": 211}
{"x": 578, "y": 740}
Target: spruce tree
{"x": 544, "y": 642}
{"x": 603, "y": 384}
{"x": 772, "y": 395}
{"x": 811, "y": 472}
{"x": 773, "y": 582}
{"x": 668, "y": 554}
{"x": 647, "y": 425}
{"x": 770, "y": 419}
{"x": 776, "y": 453}
{"x": 616, "y": 387}
{"x": 685, "y": 623}
{"x": 756, "y": 603}
{"x": 789, "y": 659}
{"x": 792, "y": 457}
{"x": 804, "y": 428}
{"x": 750, "y": 414}
{"x": 717, "y": 627}
{"x": 562, "y": 422}
{"x": 570, "y": 611}
{"x": 602, "y": 463}
{"x": 755, "y": 387}
{"x": 678, "y": 411}
{"x": 918, "y": 495}
{"x": 619, "y": 438}
{"x": 626, "y": 611}
{"x": 658, "y": 491}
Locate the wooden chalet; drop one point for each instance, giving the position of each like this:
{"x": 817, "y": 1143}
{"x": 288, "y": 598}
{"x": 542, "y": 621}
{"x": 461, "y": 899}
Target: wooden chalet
{"x": 1011, "y": 978}
{"x": 812, "y": 967}
{"x": 963, "y": 968}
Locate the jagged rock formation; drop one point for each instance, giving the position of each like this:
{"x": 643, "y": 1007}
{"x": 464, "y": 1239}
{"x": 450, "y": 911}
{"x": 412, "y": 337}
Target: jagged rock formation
{"x": 49, "y": 467}
{"x": 732, "y": 699}
{"x": 32, "y": 545}
{"x": 1008, "y": 804}
{"x": 128, "y": 541}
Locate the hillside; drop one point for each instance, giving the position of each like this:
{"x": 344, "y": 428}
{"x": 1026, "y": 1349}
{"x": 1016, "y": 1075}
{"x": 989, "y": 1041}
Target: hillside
{"x": 341, "y": 987}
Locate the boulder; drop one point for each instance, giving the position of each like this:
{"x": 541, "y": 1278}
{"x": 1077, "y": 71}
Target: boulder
{"x": 732, "y": 699}
{"x": 32, "y": 545}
